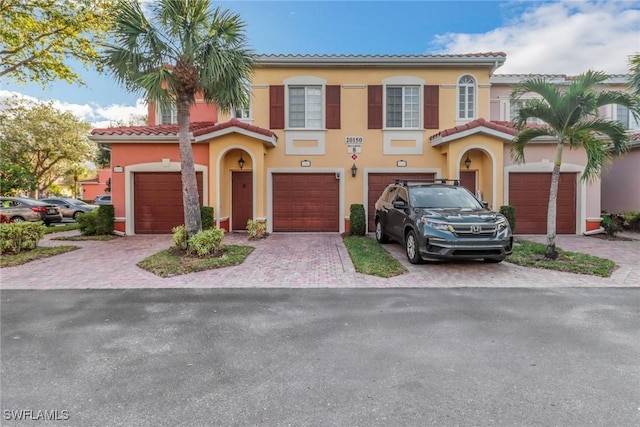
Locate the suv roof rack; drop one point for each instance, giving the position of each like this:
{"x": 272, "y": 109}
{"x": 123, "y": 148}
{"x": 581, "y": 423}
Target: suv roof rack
{"x": 430, "y": 181}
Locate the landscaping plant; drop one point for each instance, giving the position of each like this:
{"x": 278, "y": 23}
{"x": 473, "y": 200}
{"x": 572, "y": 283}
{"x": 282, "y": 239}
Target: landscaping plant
{"x": 357, "y": 220}
{"x": 21, "y": 236}
{"x": 257, "y": 229}
{"x": 510, "y": 213}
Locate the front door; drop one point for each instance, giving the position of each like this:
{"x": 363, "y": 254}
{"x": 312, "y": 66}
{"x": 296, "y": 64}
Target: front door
{"x": 241, "y": 199}
{"x": 468, "y": 180}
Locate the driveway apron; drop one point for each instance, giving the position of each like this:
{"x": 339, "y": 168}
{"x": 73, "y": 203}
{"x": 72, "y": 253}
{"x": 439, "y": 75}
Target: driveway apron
{"x": 301, "y": 260}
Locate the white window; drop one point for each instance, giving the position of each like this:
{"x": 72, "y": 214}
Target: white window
{"x": 305, "y": 107}
{"x": 514, "y": 109}
{"x": 626, "y": 118}
{"x": 466, "y": 98}
{"x": 168, "y": 115}
{"x": 403, "y": 107}
{"x": 242, "y": 113}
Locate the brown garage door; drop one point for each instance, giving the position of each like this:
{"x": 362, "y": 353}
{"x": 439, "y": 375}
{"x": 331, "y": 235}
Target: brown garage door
{"x": 377, "y": 184}
{"x": 529, "y": 195}
{"x": 158, "y": 203}
{"x": 306, "y": 202}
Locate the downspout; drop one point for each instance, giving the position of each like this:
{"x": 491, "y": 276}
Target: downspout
{"x": 496, "y": 65}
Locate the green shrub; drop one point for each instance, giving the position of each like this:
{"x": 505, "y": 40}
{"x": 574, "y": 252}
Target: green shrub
{"x": 97, "y": 222}
{"x": 18, "y": 237}
{"x": 632, "y": 220}
{"x": 206, "y": 242}
{"x": 180, "y": 237}
{"x": 612, "y": 224}
{"x": 88, "y": 223}
{"x": 510, "y": 213}
{"x": 257, "y": 229}
{"x": 357, "y": 220}
{"x": 106, "y": 219}
{"x": 206, "y": 215}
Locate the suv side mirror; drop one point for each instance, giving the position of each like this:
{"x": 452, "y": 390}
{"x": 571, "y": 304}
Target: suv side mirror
{"x": 399, "y": 204}
{"x": 485, "y": 204}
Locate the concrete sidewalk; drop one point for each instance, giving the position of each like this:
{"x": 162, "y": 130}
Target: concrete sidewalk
{"x": 303, "y": 260}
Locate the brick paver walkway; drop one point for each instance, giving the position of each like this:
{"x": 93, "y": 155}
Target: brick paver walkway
{"x": 301, "y": 261}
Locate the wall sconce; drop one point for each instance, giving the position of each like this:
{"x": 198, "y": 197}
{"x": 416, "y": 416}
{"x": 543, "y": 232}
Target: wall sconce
{"x": 401, "y": 163}
{"x": 354, "y": 170}
{"x": 305, "y": 163}
{"x": 241, "y": 161}
{"x": 467, "y": 161}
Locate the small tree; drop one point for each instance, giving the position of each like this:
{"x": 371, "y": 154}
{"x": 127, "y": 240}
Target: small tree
{"x": 357, "y": 220}
{"x": 570, "y": 116}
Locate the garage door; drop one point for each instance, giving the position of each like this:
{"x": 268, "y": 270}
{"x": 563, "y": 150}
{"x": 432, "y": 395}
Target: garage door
{"x": 306, "y": 202}
{"x": 158, "y": 203}
{"x": 377, "y": 184}
{"x": 529, "y": 195}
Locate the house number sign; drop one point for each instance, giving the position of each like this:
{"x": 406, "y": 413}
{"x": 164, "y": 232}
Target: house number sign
{"x": 353, "y": 140}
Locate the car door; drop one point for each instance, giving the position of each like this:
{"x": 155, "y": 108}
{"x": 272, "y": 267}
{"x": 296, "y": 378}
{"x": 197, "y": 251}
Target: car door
{"x": 397, "y": 214}
{"x": 383, "y": 205}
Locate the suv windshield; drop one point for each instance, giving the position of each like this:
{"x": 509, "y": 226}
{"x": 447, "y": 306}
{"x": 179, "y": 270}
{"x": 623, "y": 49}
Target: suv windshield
{"x": 433, "y": 197}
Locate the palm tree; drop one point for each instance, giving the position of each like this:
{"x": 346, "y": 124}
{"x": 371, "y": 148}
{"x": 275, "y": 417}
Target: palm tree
{"x": 570, "y": 116}
{"x": 184, "y": 48}
{"x": 634, "y": 69}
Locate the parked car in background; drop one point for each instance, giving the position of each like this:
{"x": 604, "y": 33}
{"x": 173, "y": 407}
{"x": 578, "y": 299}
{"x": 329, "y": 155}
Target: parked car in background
{"x": 103, "y": 199}
{"x": 438, "y": 220}
{"x": 18, "y": 209}
{"x": 70, "y": 208}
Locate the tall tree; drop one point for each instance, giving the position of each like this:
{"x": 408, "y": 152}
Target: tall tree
{"x": 570, "y": 116}
{"x": 634, "y": 69}
{"x": 43, "y": 139}
{"x": 182, "y": 49}
{"x": 39, "y": 37}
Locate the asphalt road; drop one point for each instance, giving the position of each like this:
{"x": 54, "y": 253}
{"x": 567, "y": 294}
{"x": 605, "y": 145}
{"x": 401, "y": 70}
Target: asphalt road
{"x": 374, "y": 357}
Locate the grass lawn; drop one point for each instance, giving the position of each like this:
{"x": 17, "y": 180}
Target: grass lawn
{"x": 168, "y": 263}
{"x": 61, "y": 228}
{"x": 531, "y": 254}
{"x": 10, "y": 260}
{"x": 369, "y": 257}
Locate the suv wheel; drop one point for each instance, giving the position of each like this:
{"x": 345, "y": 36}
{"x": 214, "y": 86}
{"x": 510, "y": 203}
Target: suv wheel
{"x": 411, "y": 247}
{"x": 380, "y": 236}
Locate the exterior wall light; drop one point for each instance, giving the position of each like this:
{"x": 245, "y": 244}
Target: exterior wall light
{"x": 354, "y": 170}
{"x": 467, "y": 161}
{"x": 241, "y": 162}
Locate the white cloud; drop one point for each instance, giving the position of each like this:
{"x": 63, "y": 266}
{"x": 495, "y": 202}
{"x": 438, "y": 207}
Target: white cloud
{"x": 99, "y": 116}
{"x": 561, "y": 38}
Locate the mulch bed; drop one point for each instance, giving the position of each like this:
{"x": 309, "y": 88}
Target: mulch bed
{"x": 605, "y": 236}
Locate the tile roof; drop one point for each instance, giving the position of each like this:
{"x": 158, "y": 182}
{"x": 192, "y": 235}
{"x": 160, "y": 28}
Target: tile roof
{"x": 495, "y": 125}
{"x": 307, "y": 56}
{"x": 196, "y": 129}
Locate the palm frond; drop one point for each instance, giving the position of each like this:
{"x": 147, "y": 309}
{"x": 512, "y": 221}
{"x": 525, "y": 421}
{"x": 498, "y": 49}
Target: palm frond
{"x": 523, "y": 138}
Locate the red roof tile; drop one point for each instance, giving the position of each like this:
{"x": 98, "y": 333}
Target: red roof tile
{"x": 495, "y": 125}
{"x": 196, "y": 128}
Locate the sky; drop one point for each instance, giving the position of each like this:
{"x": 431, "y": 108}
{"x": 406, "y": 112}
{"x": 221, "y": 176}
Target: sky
{"x": 551, "y": 37}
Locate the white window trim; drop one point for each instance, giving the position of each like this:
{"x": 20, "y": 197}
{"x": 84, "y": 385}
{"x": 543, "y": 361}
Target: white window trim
{"x": 244, "y": 119}
{"x": 403, "y": 81}
{"x": 474, "y": 116}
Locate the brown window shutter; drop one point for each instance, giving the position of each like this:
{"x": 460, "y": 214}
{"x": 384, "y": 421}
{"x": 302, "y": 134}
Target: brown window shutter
{"x": 431, "y": 107}
{"x": 276, "y": 107}
{"x": 375, "y": 107}
{"x": 332, "y": 118}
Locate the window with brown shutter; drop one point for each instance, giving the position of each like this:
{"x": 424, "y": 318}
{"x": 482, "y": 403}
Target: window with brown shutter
{"x": 375, "y": 107}
{"x": 431, "y": 107}
{"x": 332, "y": 118}
{"x": 276, "y": 107}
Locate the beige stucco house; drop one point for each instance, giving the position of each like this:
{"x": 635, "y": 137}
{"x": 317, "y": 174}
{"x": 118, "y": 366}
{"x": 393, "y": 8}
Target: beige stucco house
{"x": 324, "y": 132}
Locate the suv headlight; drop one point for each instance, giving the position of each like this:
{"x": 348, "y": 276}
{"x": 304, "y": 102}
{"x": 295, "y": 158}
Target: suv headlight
{"x": 502, "y": 224}
{"x": 437, "y": 225}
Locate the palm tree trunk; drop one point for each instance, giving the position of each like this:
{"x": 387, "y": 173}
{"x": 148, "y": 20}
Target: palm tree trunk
{"x": 551, "y": 252}
{"x": 191, "y": 202}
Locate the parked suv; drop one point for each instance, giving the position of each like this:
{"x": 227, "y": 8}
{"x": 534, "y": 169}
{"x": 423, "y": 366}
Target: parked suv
{"x": 103, "y": 199}
{"x": 439, "y": 219}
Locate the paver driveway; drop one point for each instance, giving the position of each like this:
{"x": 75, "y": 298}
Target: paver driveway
{"x": 300, "y": 261}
